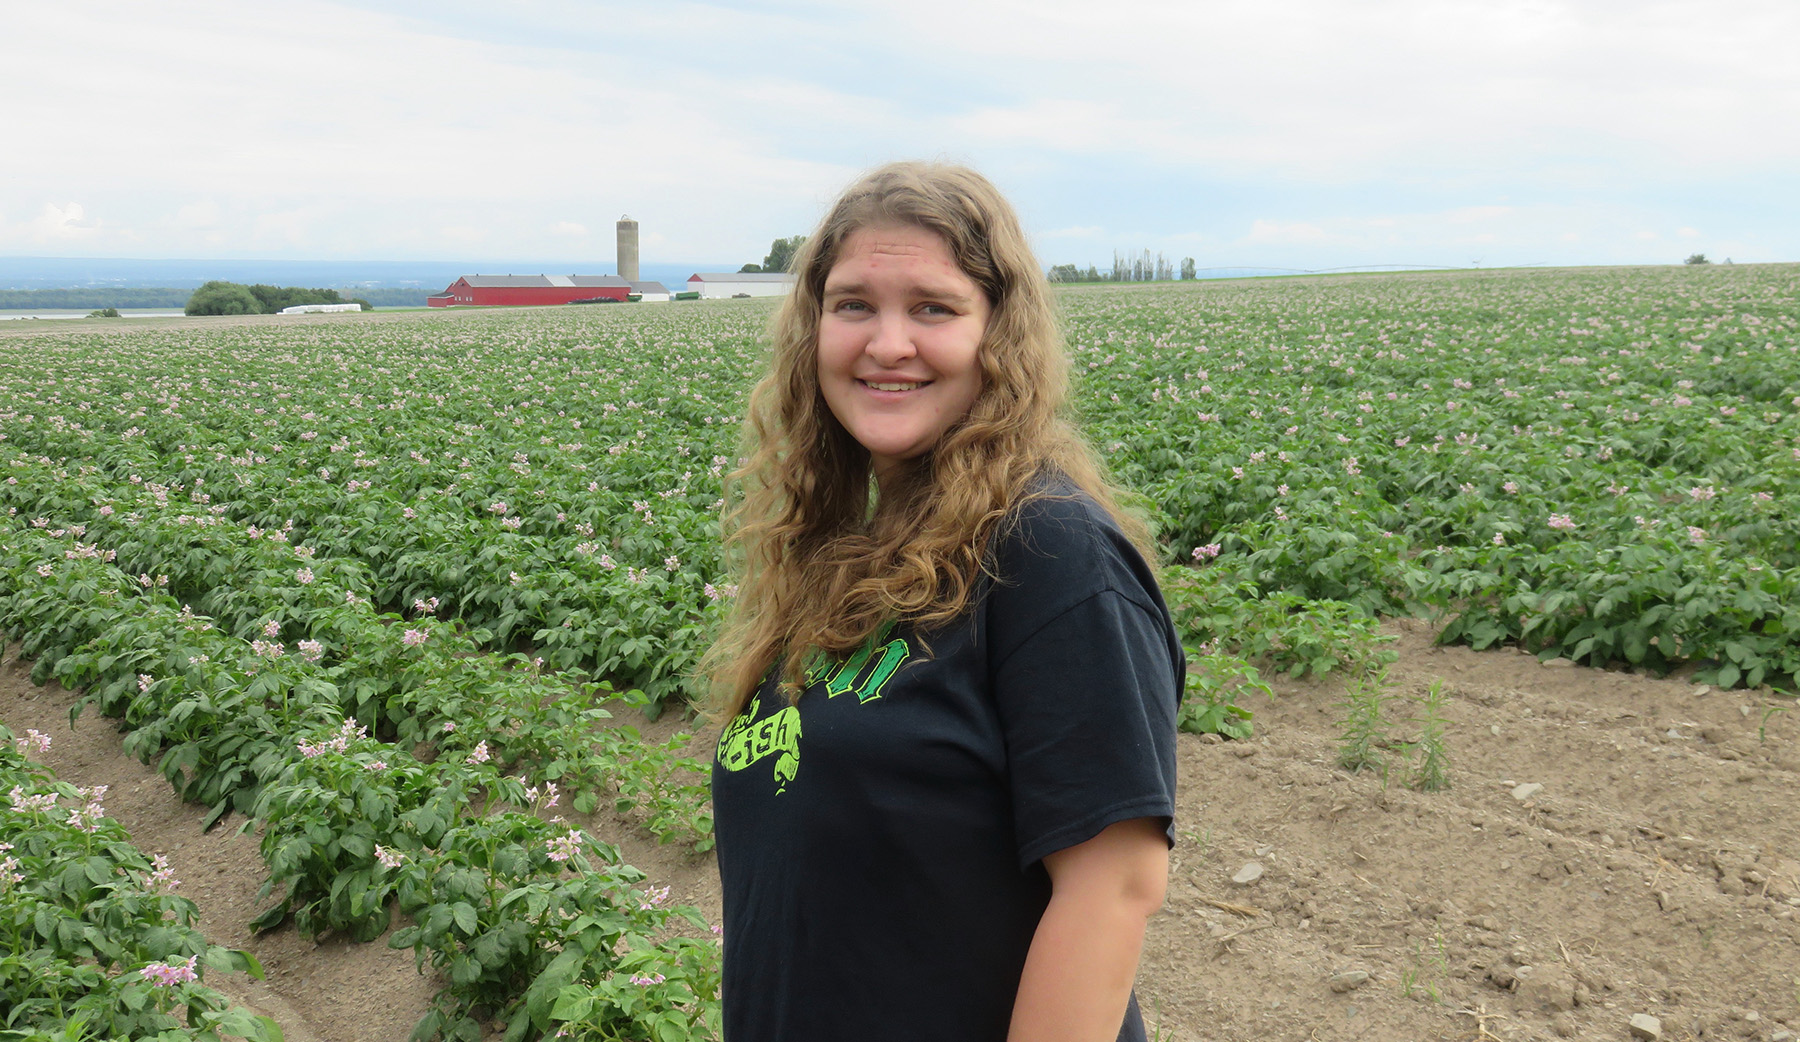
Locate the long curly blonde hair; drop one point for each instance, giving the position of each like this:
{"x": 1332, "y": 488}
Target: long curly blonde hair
{"x": 823, "y": 559}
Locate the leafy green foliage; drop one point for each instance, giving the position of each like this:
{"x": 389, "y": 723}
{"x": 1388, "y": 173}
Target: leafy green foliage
{"x": 782, "y": 253}
{"x": 1363, "y": 725}
{"x": 1209, "y": 704}
{"x": 90, "y": 936}
{"x": 223, "y": 298}
{"x": 1218, "y": 611}
{"x": 232, "y": 298}
{"x": 240, "y": 719}
{"x": 1432, "y": 772}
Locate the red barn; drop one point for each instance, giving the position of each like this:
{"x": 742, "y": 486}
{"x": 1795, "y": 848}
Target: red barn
{"x": 528, "y": 290}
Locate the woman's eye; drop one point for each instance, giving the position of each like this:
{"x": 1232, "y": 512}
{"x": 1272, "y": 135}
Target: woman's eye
{"x": 935, "y": 309}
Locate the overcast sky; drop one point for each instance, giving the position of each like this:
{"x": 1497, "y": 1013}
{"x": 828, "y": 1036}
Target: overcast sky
{"x": 1289, "y": 133}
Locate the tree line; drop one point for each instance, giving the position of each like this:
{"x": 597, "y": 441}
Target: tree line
{"x": 72, "y": 299}
{"x": 233, "y": 298}
{"x": 780, "y": 258}
{"x": 1126, "y": 268}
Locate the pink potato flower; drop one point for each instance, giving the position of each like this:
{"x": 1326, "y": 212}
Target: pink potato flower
{"x": 167, "y": 975}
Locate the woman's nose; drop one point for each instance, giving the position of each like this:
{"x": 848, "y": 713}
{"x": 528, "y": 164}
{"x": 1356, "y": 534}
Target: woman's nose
{"x": 891, "y": 343}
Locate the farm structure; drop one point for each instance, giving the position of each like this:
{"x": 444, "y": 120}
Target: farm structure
{"x": 711, "y": 285}
{"x": 537, "y": 290}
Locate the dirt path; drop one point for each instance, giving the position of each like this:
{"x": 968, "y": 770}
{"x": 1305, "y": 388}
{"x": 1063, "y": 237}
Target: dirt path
{"x": 1656, "y": 871}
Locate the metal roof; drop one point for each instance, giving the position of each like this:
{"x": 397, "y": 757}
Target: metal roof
{"x": 649, "y": 287}
{"x": 543, "y": 281}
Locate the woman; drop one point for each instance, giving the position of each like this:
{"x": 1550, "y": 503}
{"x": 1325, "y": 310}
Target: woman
{"x": 943, "y": 799}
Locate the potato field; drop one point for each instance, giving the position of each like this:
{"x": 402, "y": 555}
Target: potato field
{"x": 404, "y": 596}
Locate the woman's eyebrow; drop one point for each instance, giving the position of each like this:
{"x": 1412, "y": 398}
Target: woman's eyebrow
{"x": 857, "y": 289}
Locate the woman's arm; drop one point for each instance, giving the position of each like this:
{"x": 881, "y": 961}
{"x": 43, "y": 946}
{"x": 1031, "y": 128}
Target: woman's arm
{"x": 1084, "y": 956}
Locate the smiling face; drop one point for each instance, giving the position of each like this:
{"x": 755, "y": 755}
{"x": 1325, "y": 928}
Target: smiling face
{"x": 900, "y": 329}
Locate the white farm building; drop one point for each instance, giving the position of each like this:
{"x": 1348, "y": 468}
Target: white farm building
{"x": 712, "y": 285}
{"x": 318, "y": 309}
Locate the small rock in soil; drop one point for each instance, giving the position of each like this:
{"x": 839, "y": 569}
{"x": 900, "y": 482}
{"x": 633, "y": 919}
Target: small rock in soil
{"x": 1564, "y": 1026}
{"x": 1549, "y": 988}
{"x": 1348, "y": 980}
{"x": 1250, "y": 873}
{"x": 1785, "y": 883}
{"x": 1646, "y": 1027}
{"x": 1527, "y": 790}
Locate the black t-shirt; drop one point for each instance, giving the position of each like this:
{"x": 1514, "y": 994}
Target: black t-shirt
{"x": 881, "y": 841}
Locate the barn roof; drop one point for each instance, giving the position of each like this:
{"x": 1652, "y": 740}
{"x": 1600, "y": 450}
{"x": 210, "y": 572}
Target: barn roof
{"x": 742, "y": 276}
{"x": 543, "y": 281}
{"x": 649, "y": 287}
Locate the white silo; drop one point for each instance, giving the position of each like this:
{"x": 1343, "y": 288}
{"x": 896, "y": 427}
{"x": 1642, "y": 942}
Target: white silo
{"x": 628, "y": 248}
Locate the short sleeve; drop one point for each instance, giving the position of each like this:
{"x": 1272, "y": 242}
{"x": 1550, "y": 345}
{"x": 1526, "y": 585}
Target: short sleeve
{"x": 1087, "y": 705}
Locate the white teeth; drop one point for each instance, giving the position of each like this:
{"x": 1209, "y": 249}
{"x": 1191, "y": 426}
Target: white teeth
{"x": 893, "y": 387}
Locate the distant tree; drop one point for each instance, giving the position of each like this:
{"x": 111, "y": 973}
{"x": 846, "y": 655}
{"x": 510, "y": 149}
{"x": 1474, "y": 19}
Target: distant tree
{"x": 1697, "y": 258}
{"x": 366, "y": 306}
{"x": 782, "y": 252}
{"x": 1065, "y": 273}
{"x": 73, "y": 299}
{"x": 223, "y": 298}
{"x": 1187, "y": 268}
{"x": 104, "y": 313}
{"x": 751, "y": 269}
{"x": 1093, "y": 274}
{"x": 274, "y": 298}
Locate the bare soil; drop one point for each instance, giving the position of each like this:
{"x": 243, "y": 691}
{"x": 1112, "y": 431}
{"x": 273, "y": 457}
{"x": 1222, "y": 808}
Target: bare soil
{"x": 1654, "y": 870}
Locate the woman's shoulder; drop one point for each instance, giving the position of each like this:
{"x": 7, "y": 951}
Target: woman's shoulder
{"x": 1060, "y": 542}
{"x": 1057, "y": 514}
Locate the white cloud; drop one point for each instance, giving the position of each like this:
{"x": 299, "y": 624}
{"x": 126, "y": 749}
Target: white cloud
{"x": 61, "y": 224}
{"x": 352, "y": 130}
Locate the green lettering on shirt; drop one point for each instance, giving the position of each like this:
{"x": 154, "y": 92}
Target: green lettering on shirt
{"x": 747, "y": 740}
{"x": 845, "y": 677}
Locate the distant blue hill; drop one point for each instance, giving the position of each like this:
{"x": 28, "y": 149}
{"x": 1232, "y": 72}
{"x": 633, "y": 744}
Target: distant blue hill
{"x": 429, "y": 276}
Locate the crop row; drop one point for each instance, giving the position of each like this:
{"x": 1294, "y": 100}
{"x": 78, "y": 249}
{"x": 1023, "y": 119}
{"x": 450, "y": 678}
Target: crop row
{"x": 1589, "y": 464}
{"x": 417, "y": 679}
{"x": 94, "y": 942}
{"x": 529, "y": 919}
